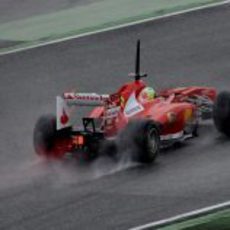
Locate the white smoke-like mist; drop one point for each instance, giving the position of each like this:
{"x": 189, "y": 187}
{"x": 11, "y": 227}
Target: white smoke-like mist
{"x": 58, "y": 173}
{"x": 61, "y": 173}
{"x": 20, "y": 173}
{"x": 73, "y": 172}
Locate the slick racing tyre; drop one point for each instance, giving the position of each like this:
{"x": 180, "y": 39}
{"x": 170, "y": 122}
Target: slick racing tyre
{"x": 144, "y": 139}
{"x": 48, "y": 142}
{"x": 221, "y": 112}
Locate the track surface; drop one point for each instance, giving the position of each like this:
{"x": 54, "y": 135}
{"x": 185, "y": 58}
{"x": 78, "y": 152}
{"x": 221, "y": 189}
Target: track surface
{"x": 183, "y": 50}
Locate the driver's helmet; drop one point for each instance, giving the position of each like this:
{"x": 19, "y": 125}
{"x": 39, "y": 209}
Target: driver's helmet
{"x": 147, "y": 94}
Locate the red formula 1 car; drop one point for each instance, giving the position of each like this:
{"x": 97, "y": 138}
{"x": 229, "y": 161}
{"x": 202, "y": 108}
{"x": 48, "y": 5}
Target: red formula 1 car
{"x": 133, "y": 116}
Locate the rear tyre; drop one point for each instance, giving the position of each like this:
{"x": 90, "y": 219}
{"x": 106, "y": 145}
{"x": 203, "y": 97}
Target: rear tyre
{"x": 46, "y": 137}
{"x": 144, "y": 136}
{"x": 221, "y": 112}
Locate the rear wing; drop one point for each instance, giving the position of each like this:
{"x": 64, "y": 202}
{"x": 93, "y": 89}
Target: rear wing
{"x": 66, "y": 102}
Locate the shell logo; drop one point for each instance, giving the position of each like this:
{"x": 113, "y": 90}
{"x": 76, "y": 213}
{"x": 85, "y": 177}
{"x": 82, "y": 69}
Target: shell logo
{"x": 187, "y": 114}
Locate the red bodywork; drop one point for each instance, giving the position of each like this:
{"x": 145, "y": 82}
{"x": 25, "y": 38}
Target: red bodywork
{"x": 172, "y": 108}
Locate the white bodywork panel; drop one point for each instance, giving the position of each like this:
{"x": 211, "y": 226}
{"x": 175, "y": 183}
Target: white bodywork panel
{"x": 66, "y": 103}
{"x": 132, "y": 106}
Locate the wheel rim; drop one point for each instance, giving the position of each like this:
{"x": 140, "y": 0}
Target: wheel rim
{"x": 153, "y": 141}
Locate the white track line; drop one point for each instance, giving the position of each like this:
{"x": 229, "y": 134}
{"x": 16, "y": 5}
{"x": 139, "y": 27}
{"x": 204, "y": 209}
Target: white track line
{"x": 188, "y": 215}
{"x": 115, "y": 27}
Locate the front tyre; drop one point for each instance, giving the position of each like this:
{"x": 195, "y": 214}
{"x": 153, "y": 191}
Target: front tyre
{"x": 221, "y": 112}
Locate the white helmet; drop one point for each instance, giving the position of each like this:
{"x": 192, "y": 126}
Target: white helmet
{"x": 147, "y": 94}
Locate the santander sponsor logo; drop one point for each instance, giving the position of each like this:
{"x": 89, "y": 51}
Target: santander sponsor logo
{"x": 86, "y": 96}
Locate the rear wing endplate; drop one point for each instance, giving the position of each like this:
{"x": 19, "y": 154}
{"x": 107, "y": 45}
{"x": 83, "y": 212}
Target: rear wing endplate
{"x": 65, "y": 104}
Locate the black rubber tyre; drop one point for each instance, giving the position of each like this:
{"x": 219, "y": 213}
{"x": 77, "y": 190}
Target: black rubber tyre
{"x": 45, "y": 135}
{"x": 221, "y": 112}
{"x": 143, "y": 136}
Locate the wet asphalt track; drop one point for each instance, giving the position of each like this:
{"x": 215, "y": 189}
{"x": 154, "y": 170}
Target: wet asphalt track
{"x": 183, "y": 50}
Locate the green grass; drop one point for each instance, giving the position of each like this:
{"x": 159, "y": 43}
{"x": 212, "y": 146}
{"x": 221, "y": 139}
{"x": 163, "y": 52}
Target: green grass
{"x": 89, "y": 18}
{"x": 215, "y": 221}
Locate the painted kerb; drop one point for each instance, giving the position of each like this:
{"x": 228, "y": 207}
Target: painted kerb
{"x": 183, "y": 217}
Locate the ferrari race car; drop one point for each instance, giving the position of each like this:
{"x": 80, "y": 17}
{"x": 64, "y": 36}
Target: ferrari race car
{"x": 133, "y": 117}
